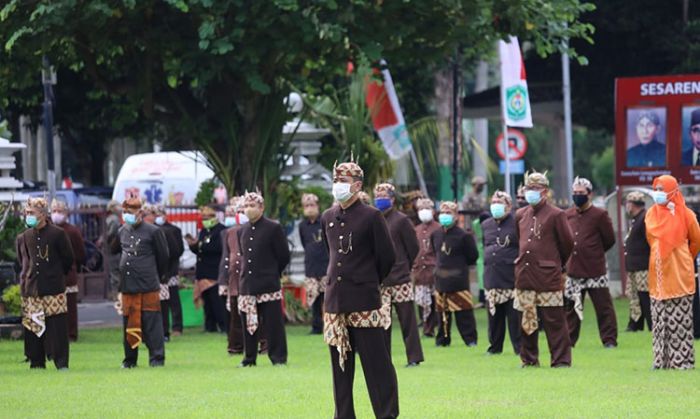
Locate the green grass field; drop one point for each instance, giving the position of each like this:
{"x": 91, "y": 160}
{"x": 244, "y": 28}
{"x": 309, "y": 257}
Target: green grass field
{"x": 200, "y": 380}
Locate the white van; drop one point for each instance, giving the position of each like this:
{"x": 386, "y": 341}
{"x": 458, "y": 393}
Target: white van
{"x": 168, "y": 178}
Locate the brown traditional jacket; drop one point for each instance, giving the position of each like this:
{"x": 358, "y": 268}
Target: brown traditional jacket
{"x": 636, "y": 245}
{"x": 423, "y": 271}
{"x": 405, "y": 247}
{"x": 78, "y": 246}
{"x": 230, "y": 266}
{"x": 45, "y": 256}
{"x": 361, "y": 256}
{"x": 545, "y": 243}
{"x": 593, "y": 236}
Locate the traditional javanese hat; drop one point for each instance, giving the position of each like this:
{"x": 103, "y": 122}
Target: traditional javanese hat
{"x": 350, "y": 169}
{"x": 132, "y": 203}
{"x": 113, "y": 205}
{"x": 582, "y": 181}
{"x": 58, "y": 205}
{"x": 536, "y": 179}
{"x": 364, "y": 197}
{"x": 635, "y": 197}
{"x": 386, "y": 188}
{"x": 478, "y": 180}
{"x": 148, "y": 208}
{"x": 235, "y": 203}
{"x": 38, "y": 204}
{"x": 158, "y": 209}
{"x": 255, "y": 197}
{"x": 425, "y": 203}
{"x": 207, "y": 210}
{"x": 309, "y": 198}
{"x": 504, "y": 196}
{"x": 448, "y": 206}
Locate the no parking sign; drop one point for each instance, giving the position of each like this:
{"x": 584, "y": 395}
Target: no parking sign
{"x": 517, "y": 145}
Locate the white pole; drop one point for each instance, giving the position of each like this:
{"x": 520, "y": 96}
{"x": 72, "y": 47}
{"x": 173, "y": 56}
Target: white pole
{"x": 419, "y": 173}
{"x": 566, "y": 90}
{"x": 505, "y": 138}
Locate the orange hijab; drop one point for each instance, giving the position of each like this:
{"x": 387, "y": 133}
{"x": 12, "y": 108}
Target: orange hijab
{"x": 667, "y": 223}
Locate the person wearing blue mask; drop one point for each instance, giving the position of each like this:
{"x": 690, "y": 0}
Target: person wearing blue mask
{"x": 315, "y": 259}
{"x": 397, "y": 289}
{"x": 456, "y": 252}
{"x": 500, "y": 252}
{"x": 545, "y": 243}
{"x": 143, "y": 267}
{"x": 45, "y": 257}
{"x": 586, "y": 271}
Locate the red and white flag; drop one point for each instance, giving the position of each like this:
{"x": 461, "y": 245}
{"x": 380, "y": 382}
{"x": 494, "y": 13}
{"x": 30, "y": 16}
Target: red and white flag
{"x": 515, "y": 100}
{"x": 387, "y": 117}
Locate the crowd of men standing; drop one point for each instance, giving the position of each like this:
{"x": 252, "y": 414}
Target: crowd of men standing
{"x": 364, "y": 259}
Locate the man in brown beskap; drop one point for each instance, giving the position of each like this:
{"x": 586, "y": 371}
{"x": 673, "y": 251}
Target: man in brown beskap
{"x": 265, "y": 254}
{"x": 361, "y": 256}
{"x": 587, "y": 271}
{"x": 315, "y": 260}
{"x": 45, "y": 257}
{"x": 545, "y": 244}
{"x": 59, "y": 216}
{"x": 397, "y": 290}
{"x": 423, "y": 271}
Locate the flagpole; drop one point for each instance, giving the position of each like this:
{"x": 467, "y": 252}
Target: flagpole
{"x": 566, "y": 91}
{"x": 506, "y": 142}
{"x": 419, "y": 173}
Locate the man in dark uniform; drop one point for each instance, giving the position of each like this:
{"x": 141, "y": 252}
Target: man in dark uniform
{"x": 456, "y": 253}
{"x": 397, "y": 290}
{"x": 143, "y": 267}
{"x": 587, "y": 269}
{"x": 545, "y": 244}
{"x": 230, "y": 273}
{"x": 208, "y": 249}
{"x": 45, "y": 257}
{"x": 169, "y": 291}
{"x": 315, "y": 260}
{"x": 500, "y": 252}
{"x": 59, "y": 216}
{"x": 637, "y": 263}
{"x": 264, "y": 256}
{"x": 361, "y": 256}
{"x": 423, "y": 271}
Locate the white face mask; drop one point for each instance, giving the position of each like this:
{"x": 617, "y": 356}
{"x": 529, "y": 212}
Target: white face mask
{"x": 58, "y": 218}
{"x": 243, "y": 219}
{"x": 341, "y": 192}
{"x": 160, "y": 220}
{"x": 425, "y": 215}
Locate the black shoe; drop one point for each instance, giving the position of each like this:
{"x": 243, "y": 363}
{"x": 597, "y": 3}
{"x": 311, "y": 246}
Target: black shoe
{"x": 412, "y": 364}
{"x": 63, "y": 369}
{"x": 279, "y": 364}
{"x": 156, "y": 364}
{"x": 235, "y": 352}
{"x": 537, "y": 365}
{"x": 493, "y": 353}
{"x": 128, "y": 366}
{"x": 245, "y": 364}
{"x": 561, "y": 366}
{"x": 38, "y": 367}
{"x": 471, "y": 344}
{"x": 610, "y": 345}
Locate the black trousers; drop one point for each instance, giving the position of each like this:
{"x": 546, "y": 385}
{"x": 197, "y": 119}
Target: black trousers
{"x": 380, "y": 376}
{"x": 152, "y": 334}
{"x": 215, "y": 317}
{"x": 235, "y": 329}
{"x": 505, "y": 314}
{"x": 466, "y": 325}
{"x": 271, "y": 314}
{"x": 696, "y": 311}
{"x": 604, "y": 313}
{"x": 317, "y": 314}
{"x": 553, "y": 320}
{"x": 175, "y": 306}
{"x": 53, "y": 342}
{"x": 406, "y": 314}
{"x": 72, "y": 299}
{"x": 645, "y": 305}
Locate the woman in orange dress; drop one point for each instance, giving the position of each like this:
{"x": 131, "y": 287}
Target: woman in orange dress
{"x": 674, "y": 237}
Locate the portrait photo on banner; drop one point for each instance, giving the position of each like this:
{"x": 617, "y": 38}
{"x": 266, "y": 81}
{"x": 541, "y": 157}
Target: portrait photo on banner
{"x": 690, "y": 135}
{"x": 646, "y": 137}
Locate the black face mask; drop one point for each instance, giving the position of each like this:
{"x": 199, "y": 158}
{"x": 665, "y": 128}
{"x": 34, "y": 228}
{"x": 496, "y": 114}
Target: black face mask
{"x": 580, "y": 200}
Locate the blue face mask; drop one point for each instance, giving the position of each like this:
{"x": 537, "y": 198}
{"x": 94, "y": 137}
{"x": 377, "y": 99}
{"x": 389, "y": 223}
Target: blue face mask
{"x": 230, "y": 221}
{"x": 31, "y": 221}
{"x": 660, "y": 197}
{"x": 533, "y": 197}
{"x": 129, "y": 218}
{"x": 382, "y": 204}
{"x": 498, "y": 210}
{"x": 446, "y": 220}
